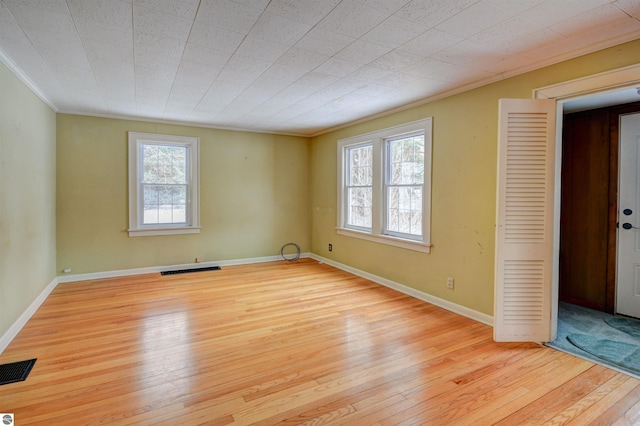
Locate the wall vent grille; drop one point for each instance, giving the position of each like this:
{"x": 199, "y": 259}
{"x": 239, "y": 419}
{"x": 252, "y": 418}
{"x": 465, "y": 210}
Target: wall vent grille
{"x": 189, "y": 270}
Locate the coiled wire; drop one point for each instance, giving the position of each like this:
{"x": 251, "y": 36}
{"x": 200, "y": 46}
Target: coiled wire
{"x": 291, "y": 257}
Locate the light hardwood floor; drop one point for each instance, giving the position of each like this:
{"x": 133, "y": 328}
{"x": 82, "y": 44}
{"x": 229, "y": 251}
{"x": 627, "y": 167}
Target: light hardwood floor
{"x": 289, "y": 343}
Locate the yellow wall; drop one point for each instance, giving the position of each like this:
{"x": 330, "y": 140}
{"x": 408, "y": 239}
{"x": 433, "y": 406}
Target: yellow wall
{"x": 258, "y": 192}
{"x": 253, "y": 196}
{"x": 463, "y": 186}
{"x": 27, "y": 198}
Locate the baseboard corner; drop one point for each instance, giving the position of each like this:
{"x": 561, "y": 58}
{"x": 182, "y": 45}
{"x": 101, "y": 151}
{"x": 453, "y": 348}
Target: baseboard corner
{"x": 12, "y": 332}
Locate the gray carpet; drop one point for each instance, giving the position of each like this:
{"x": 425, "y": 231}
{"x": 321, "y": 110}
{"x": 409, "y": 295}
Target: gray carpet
{"x": 576, "y": 320}
{"x": 621, "y": 354}
{"x": 626, "y": 325}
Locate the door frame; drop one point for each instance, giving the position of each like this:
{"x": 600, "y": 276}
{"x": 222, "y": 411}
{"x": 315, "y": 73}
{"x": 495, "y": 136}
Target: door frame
{"x": 621, "y": 78}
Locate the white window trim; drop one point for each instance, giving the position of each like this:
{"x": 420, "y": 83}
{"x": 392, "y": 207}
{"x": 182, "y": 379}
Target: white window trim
{"x": 136, "y": 228}
{"x": 378, "y": 139}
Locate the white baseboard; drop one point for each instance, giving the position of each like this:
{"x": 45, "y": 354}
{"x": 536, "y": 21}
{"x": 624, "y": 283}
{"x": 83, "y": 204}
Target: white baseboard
{"x": 13, "y": 331}
{"x": 154, "y": 269}
{"x": 442, "y": 303}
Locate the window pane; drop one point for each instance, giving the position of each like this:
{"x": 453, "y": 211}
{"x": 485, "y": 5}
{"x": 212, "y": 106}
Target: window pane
{"x": 360, "y": 163}
{"x": 406, "y": 160}
{"x": 359, "y": 209}
{"x": 164, "y": 204}
{"x": 151, "y": 195}
{"x": 359, "y": 191}
{"x": 179, "y": 206}
{"x": 164, "y": 184}
{"x": 404, "y": 209}
{"x": 164, "y": 164}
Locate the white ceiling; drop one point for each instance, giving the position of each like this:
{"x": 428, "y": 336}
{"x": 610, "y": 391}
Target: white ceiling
{"x": 288, "y": 66}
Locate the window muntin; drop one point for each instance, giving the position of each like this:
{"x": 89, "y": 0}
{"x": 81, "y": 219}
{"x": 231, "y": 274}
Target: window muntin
{"x": 359, "y": 188}
{"x": 399, "y": 183}
{"x": 404, "y": 182}
{"x": 163, "y": 184}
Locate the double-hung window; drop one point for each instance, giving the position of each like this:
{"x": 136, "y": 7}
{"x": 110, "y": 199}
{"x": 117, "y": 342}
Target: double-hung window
{"x": 384, "y": 187}
{"x": 404, "y": 185}
{"x": 359, "y": 186}
{"x": 163, "y": 184}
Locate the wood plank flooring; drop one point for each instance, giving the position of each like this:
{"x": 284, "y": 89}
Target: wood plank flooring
{"x": 289, "y": 343}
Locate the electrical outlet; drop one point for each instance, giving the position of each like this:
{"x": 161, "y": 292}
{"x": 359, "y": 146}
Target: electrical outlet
{"x": 330, "y": 247}
{"x": 450, "y": 283}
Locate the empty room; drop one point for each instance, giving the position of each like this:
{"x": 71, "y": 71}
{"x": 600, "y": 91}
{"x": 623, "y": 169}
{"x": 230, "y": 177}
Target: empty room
{"x": 355, "y": 212}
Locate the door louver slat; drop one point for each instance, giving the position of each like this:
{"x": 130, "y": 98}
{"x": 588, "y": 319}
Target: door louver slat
{"x": 526, "y": 177}
{"x": 523, "y": 291}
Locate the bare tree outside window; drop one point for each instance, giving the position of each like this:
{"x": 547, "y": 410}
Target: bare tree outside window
{"x": 164, "y": 183}
{"x": 405, "y": 180}
{"x": 359, "y": 186}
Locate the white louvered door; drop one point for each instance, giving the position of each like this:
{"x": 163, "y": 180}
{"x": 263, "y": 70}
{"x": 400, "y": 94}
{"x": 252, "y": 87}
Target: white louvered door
{"x": 524, "y": 231}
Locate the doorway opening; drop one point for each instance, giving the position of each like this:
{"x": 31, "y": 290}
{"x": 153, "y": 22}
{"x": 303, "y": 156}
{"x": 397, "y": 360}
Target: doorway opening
{"x": 599, "y": 187}
{"x": 598, "y": 90}
{"x": 589, "y": 210}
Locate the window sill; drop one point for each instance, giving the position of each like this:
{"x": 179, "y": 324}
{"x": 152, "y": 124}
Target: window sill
{"x": 148, "y": 232}
{"x": 386, "y": 239}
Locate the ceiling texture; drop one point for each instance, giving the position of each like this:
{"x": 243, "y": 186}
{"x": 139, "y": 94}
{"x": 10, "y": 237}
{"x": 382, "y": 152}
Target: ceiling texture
{"x": 297, "y": 67}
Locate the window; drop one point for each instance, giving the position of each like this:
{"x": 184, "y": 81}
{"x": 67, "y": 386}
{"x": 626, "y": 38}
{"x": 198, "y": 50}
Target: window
{"x": 404, "y": 185}
{"x": 163, "y": 184}
{"x": 359, "y": 186}
{"x": 384, "y": 191}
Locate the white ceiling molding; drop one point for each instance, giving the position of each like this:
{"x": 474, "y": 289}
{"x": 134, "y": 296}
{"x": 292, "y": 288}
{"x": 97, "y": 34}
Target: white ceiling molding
{"x": 620, "y": 78}
{"x": 15, "y": 69}
{"x": 614, "y": 87}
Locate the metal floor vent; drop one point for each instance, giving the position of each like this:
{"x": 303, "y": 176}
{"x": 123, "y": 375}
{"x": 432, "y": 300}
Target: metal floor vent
{"x": 15, "y": 371}
{"x": 186, "y": 271}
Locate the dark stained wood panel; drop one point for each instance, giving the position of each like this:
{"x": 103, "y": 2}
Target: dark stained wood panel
{"x": 584, "y": 219}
